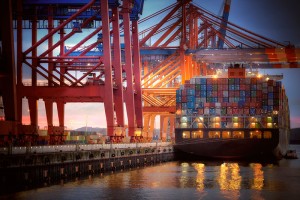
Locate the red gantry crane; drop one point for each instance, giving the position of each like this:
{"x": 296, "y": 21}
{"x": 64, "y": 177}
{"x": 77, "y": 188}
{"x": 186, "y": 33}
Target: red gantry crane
{"x": 116, "y": 62}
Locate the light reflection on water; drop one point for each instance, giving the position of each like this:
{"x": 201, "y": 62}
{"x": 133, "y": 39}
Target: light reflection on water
{"x": 183, "y": 180}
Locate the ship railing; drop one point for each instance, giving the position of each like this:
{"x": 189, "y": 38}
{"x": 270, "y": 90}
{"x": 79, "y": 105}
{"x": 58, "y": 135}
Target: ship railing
{"x": 208, "y": 121}
{"x": 84, "y": 147}
{"x": 210, "y": 140}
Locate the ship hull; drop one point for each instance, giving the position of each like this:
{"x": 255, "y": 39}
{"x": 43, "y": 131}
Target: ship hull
{"x": 233, "y": 148}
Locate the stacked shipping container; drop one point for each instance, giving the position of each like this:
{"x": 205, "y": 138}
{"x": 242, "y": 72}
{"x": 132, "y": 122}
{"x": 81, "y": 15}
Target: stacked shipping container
{"x": 228, "y": 103}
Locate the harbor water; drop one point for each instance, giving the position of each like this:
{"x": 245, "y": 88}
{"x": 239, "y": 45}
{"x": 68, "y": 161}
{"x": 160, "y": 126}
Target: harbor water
{"x": 196, "y": 179}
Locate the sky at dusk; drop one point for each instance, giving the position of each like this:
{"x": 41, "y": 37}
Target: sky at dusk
{"x": 275, "y": 19}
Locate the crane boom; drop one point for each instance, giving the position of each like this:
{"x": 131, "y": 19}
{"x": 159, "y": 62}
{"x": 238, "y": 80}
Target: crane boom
{"x": 224, "y": 23}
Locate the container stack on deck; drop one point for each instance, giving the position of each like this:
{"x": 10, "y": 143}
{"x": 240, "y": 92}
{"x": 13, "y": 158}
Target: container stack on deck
{"x": 249, "y": 102}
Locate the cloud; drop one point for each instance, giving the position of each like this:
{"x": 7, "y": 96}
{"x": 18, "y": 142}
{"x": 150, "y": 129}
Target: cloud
{"x": 295, "y": 122}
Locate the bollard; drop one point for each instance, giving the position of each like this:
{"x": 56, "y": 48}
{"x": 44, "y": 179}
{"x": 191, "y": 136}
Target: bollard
{"x": 121, "y": 164}
{"x": 101, "y": 167}
{"x": 45, "y": 174}
{"x": 76, "y": 171}
{"x": 90, "y": 169}
{"x": 112, "y": 166}
{"x": 62, "y": 172}
{"x": 26, "y": 175}
{"x": 130, "y": 165}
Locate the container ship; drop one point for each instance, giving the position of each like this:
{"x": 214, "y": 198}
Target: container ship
{"x": 237, "y": 114}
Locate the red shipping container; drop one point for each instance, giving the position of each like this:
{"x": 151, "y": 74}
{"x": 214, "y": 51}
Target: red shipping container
{"x": 241, "y": 111}
{"x": 200, "y": 111}
{"x": 234, "y": 104}
{"x": 235, "y": 111}
{"x": 259, "y": 103}
{"x": 270, "y": 82}
{"x": 178, "y": 106}
{"x": 243, "y": 87}
{"x": 237, "y": 93}
{"x": 253, "y": 81}
{"x": 246, "y": 111}
{"x": 209, "y": 81}
{"x": 258, "y": 111}
{"x": 265, "y": 95}
{"x": 224, "y": 81}
{"x": 229, "y": 111}
{"x": 223, "y": 104}
{"x": 247, "y": 87}
{"x": 183, "y": 99}
{"x": 259, "y": 93}
{"x": 219, "y": 81}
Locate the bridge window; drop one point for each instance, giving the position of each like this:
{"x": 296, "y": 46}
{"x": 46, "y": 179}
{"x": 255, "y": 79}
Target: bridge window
{"x": 197, "y": 134}
{"x": 214, "y": 134}
{"x": 238, "y": 134}
{"x": 267, "y": 134}
{"x": 186, "y": 134}
{"x": 255, "y": 134}
{"x": 226, "y": 134}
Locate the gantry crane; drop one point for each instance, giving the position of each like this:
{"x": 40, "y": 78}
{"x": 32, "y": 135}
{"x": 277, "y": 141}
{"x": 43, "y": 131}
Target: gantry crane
{"x": 52, "y": 67}
{"x": 197, "y": 42}
{"x": 149, "y": 64}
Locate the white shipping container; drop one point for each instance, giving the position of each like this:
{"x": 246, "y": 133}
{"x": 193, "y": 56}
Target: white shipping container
{"x": 225, "y": 93}
{"x": 203, "y": 99}
{"x": 183, "y": 125}
{"x": 206, "y": 111}
{"x": 183, "y": 119}
{"x": 193, "y": 81}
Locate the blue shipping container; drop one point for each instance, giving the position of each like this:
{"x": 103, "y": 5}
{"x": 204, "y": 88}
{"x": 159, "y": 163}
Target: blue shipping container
{"x": 190, "y": 105}
{"x": 202, "y": 80}
{"x": 203, "y": 93}
{"x": 231, "y": 87}
{"x": 190, "y": 92}
{"x": 212, "y": 111}
{"x": 209, "y": 87}
{"x": 202, "y": 87}
{"x": 252, "y": 111}
{"x": 270, "y": 95}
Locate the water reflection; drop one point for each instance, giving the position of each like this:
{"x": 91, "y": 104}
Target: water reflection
{"x": 229, "y": 176}
{"x": 258, "y": 176}
{"x": 180, "y": 180}
{"x": 184, "y": 178}
{"x": 200, "y": 167}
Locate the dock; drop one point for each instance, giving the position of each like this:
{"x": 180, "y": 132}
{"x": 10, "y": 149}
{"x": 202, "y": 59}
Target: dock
{"x": 39, "y": 165}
